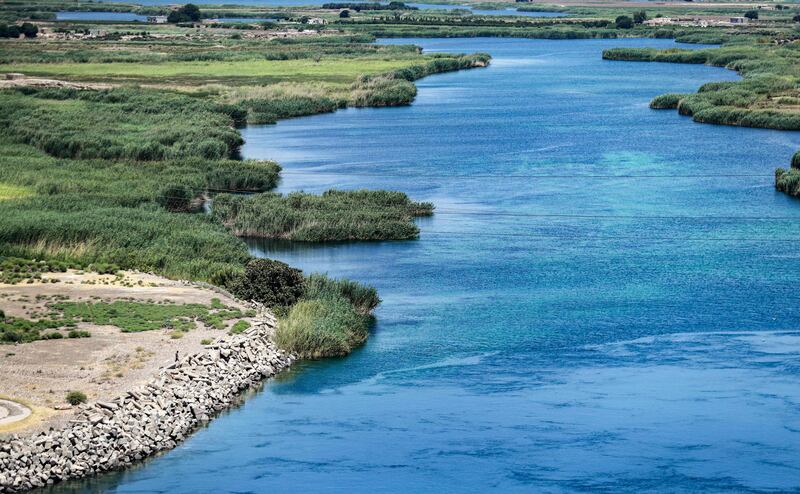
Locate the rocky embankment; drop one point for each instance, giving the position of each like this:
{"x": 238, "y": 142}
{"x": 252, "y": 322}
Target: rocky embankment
{"x": 111, "y": 435}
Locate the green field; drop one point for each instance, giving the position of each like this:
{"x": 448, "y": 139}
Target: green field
{"x": 333, "y": 70}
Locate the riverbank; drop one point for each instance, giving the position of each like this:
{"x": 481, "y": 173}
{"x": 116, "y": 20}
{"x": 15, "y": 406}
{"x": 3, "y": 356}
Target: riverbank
{"x": 185, "y": 395}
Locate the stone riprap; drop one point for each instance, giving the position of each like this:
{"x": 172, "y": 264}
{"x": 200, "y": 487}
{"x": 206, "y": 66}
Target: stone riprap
{"x": 112, "y": 435}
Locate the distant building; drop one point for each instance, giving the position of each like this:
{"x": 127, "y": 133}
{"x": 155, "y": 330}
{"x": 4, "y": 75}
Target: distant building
{"x": 659, "y": 21}
{"x": 739, "y": 20}
{"x": 316, "y": 20}
{"x": 157, "y": 19}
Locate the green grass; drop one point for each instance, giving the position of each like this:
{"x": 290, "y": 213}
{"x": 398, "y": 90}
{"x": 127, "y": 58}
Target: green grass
{"x": 321, "y": 328}
{"x": 133, "y": 317}
{"x": 9, "y": 191}
{"x": 336, "y": 70}
{"x": 332, "y": 216}
{"x": 239, "y": 327}
{"x": 19, "y": 330}
{"x": 331, "y": 319}
{"x": 119, "y": 124}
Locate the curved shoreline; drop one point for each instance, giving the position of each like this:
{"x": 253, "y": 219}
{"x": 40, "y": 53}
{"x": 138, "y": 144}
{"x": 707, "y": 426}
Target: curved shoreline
{"x": 185, "y": 395}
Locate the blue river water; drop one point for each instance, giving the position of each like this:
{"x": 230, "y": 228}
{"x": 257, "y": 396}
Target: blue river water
{"x": 571, "y": 320}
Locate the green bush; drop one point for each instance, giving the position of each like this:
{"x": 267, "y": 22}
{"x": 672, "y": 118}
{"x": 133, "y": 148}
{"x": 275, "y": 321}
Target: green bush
{"x": 623, "y": 22}
{"x": 796, "y": 160}
{"x": 269, "y": 282}
{"x": 79, "y": 333}
{"x": 76, "y": 398}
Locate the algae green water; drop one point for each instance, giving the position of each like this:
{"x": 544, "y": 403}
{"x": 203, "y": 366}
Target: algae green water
{"x": 572, "y": 319}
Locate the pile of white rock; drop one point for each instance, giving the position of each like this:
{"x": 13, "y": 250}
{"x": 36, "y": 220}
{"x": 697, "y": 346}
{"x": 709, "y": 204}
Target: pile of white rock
{"x": 111, "y": 435}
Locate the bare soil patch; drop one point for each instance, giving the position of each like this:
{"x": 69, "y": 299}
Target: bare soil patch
{"x": 41, "y": 373}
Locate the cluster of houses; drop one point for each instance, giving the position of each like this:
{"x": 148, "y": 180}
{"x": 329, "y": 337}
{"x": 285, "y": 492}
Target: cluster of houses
{"x": 698, "y": 21}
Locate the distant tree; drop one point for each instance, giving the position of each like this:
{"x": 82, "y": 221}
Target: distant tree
{"x": 13, "y": 31}
{"x": 29, "y": 30}
{"x": 188, "y": 13}
{"x": 344, "y": 14}
{"x": 639, "y": 17}
{"x": 624, "y": 22}
{"x": 796, "y": 18}
{"x": 751, "y": 14}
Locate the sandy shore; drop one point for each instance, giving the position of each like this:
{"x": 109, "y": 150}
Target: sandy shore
{"x": 39, "y": 374}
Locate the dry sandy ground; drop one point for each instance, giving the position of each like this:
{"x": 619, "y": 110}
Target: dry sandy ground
{"x": 39, "y": 374}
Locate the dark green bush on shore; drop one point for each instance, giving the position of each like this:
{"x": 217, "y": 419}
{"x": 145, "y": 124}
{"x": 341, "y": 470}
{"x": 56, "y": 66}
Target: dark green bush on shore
{"x": 269, "y": 282}
{"x": 332, "y": 216}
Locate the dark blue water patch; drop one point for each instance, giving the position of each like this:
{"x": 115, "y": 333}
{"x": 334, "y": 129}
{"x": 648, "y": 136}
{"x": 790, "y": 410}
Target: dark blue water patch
{"x": 100, "y": 16}
{"x": 605, "y": 300}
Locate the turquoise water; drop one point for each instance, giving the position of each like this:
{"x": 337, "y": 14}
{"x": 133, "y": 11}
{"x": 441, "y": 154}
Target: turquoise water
{"x": 576, "y": 333}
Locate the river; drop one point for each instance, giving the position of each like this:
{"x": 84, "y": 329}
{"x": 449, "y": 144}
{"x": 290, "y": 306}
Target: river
{"x": 570, "y": 320}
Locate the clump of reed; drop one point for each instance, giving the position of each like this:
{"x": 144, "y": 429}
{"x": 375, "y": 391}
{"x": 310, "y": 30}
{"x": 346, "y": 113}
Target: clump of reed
{"x": 333, "y": 216}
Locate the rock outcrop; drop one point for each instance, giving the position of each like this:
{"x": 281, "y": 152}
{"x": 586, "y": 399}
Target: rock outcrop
{"x": 112, "y": 435}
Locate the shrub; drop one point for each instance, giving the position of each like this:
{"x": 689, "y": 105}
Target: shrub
{"x": 796, "y": 160}
{"x": 269, "y": 282}
{"x": 186, "y": 14}
{"x": 76, "y": 398}
{"x": 29, "y": 30}
{"x": 639, "y": 17}
{"x": 751, "y": 14}
{"x": 206, "y": 341}
{"x": 79, "y": 333}
{"x": 623, "y": 22}
{"x": 176, "y": 198}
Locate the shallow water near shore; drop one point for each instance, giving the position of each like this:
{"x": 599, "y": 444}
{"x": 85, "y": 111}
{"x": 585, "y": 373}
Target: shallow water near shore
{"x": 565, "y": 334}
